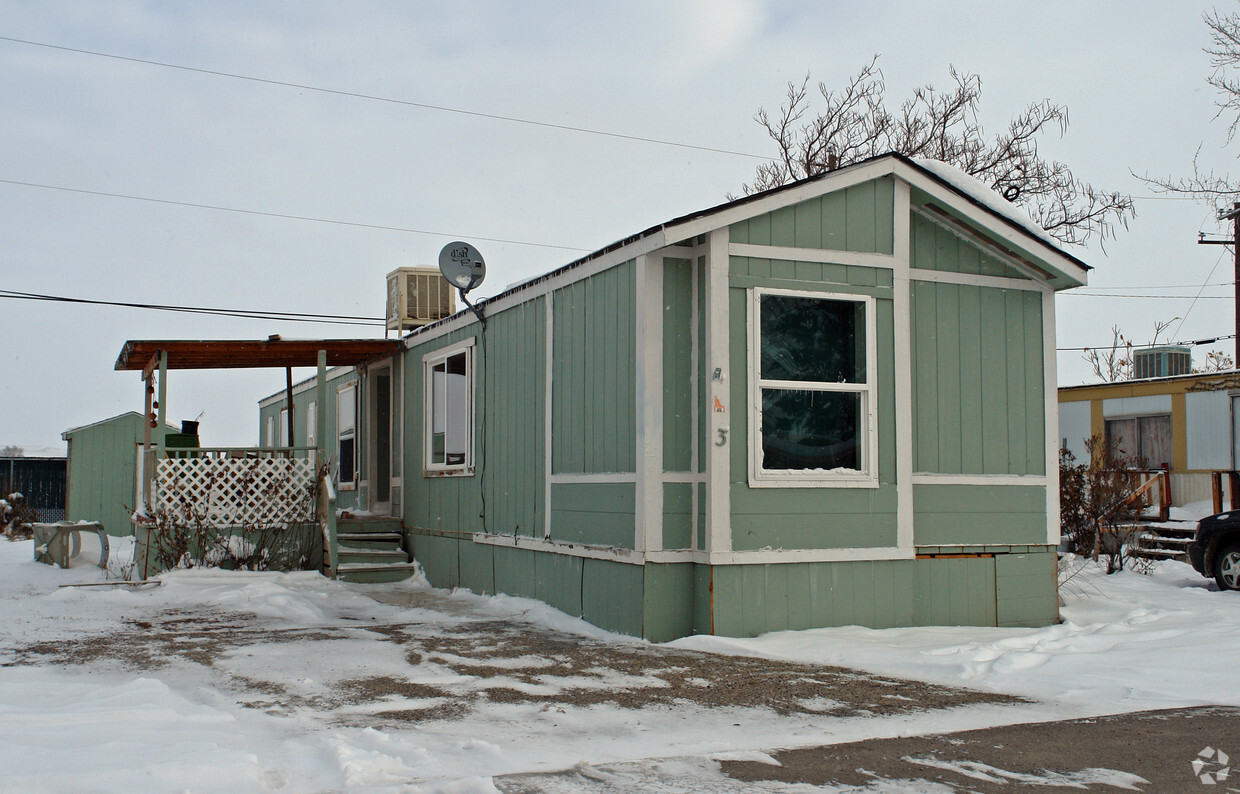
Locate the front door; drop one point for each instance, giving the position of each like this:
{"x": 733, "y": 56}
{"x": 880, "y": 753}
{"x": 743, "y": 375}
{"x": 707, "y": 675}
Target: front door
{"x": 381, "y": 441}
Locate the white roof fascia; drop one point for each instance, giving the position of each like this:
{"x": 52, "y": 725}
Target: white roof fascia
{"x": 651, "y": 242}
{"x": 828, "y": 183}
{"x": 1035, "y": 247}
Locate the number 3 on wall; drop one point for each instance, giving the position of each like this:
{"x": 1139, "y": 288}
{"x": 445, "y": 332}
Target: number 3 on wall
{"x": 723, "y": 437}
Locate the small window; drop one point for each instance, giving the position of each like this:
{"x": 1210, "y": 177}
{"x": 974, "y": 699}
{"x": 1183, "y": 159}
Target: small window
{"x": 312, "y": 419}
{"x": 449, "y": 410}
{"x": 346, "y": 434}
{"x": 812, "y": 389}
{"x": 1142, "y": 441}
{"x": 271, "y": 432}
{"x": 284, "y": 442}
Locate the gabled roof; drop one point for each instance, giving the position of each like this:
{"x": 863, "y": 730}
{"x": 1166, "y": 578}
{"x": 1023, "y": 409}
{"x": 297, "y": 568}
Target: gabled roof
{"x": 132, "y": 415}
{"x": 982, "y": 214}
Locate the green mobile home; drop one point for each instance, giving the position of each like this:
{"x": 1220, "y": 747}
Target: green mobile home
{"x": 830, "y": 403}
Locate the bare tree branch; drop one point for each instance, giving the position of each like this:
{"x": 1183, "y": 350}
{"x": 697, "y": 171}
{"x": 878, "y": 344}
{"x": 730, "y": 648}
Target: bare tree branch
{"x": 854, "y": 124}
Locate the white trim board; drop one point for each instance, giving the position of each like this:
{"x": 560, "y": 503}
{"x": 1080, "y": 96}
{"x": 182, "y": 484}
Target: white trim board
{"x": 972, "y": 280}
{"x": 610, "y": 553}
{"x": 822, "y": 255}
{"x": 1033, "y": 481}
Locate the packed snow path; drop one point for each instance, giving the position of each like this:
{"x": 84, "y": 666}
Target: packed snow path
{"x": 219, "y": 681}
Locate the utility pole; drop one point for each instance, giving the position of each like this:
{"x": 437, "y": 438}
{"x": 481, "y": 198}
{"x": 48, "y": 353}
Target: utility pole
{"x": 1232, "y": 215}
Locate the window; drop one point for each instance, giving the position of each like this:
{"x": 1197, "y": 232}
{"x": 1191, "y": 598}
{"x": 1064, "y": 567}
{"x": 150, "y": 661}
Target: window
{"x": 284, "y": 427}
{"x": 312, "y": 427}
{"x": 812, "y": 389}
{"x": 449, "y": 409}
{"x": 1140, "y": 440}
{"x": 271, "y": 431}
{"x": 346, "y": 434}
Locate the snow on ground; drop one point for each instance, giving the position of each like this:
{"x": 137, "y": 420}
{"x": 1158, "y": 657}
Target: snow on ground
{"x": 255, "y": 704}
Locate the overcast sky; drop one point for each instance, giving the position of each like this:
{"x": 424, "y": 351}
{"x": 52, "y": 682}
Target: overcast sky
{"x": 1132, "y": 76}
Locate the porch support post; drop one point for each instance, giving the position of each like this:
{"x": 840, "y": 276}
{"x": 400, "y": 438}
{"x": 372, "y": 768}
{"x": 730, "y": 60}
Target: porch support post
{"x": 148, "y": 390}
{"x": 288, "y": 398}
{"x": 162, "y": 411}
{"x": 320, "y": 412}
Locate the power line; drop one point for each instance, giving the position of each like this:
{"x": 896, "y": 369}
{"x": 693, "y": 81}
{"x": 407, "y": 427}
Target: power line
{"x": 1153, "y": 297}
{"x": 286, "y": 216}
{"x": 248, "y": 314}
{"x": 1117, "y": 345}
{"x": 389, "y": 100}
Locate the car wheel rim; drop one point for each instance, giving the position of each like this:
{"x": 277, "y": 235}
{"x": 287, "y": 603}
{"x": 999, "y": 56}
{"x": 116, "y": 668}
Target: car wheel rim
{"x": 1230, "y": 569}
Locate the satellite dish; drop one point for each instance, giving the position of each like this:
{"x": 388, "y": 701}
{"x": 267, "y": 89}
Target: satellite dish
{"x": 462, "y": 266}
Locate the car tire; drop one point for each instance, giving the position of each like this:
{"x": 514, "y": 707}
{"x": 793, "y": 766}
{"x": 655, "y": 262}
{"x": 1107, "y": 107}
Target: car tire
{"x": 1227, "y": 567}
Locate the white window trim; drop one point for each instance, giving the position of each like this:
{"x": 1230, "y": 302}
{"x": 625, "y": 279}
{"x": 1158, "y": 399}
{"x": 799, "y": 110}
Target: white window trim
{"x": 867, "y": 477}
{"x": 347, "y": 485}
{"x": 429, "y": 360}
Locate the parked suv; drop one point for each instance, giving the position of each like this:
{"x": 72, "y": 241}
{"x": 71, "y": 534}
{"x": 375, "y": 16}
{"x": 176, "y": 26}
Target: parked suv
{"x": 1215, "y": 550}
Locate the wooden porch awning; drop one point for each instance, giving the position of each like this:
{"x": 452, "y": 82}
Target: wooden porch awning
{"x": 242, "y": 353}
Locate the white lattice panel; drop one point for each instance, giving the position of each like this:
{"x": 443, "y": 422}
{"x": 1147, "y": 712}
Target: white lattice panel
{"x": 224, "y": 492}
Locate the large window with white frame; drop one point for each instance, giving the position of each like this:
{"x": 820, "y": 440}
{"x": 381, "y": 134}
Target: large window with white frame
{"x": 812, "y": 389}
{"x": 449, "y": 409}
{"x": 346, "y": 435}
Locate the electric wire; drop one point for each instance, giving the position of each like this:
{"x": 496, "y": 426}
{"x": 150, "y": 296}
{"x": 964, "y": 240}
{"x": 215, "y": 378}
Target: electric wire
{"x": 248, "y": 314}
{"x": 1192, "y": 343}
{"x": 1209, "y": 276}
{"x": 388, "y": 100}
{"x": 286, "y": 216}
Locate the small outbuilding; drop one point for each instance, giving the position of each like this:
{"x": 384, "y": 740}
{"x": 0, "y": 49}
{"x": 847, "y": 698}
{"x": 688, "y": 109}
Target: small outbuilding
{"x": 104, "y": 465}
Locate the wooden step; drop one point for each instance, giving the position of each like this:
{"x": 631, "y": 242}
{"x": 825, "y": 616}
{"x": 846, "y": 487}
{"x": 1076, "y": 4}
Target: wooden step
{"x": 376, "y": 572}
{"x": 369, "y": 539}
{"x": 348, "y": 556}
{"x": 1159, "y": 554}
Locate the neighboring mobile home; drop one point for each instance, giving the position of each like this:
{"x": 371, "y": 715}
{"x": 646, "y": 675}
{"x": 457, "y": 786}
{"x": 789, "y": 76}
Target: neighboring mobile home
{"x": 1187, "y": 424}
{"x": 830, "y": 403}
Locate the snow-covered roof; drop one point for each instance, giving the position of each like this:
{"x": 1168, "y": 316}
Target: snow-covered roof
{"x": 985, "y": 195}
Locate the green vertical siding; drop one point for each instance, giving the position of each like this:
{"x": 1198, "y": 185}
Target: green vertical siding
{"x": 594, "y": 385}
{"x": 979, "y": 515}
{"x": 668, "y": 601}
{"x": 1027, "y": 594}
{"x": 505, "y": 495}
{"x": 978, "y": 380}
{"x": 102, "y": 472}
{"x": 598, "y": 514}
{"x": 858, "y": 218}
{"x": 932, "y": 247}
{"x": 612, "y": 595}
{"x": 677, "y": 515}
{"x": 752, "y": 599}
{"x": 558, "y": 581}
{"x": 513, "y": 420}
{"x": 954, "y": 591}
{"x": 678, "y": 426}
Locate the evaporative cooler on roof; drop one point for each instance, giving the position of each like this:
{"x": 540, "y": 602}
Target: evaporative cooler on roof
{"x": 417, "y": 296}
{"x": 1161, "y": 362}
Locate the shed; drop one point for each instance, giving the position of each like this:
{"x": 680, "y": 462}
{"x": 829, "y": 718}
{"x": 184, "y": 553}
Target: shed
{"x": 104, "y": 459}
{"x": 826, "y": 404}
